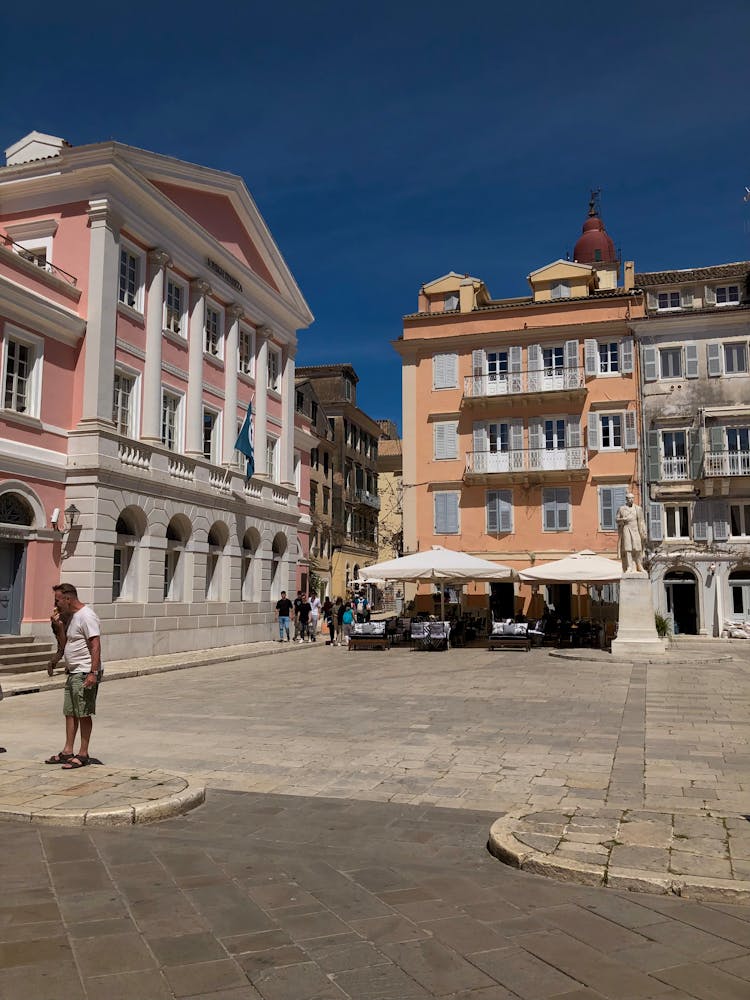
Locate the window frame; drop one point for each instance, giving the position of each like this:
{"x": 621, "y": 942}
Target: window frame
{"x": 214, "y": 456}
{"x": 272, "y": 467}
{"x": 672, "y": 352}
{"x": 35, "y": 345}
{"x": 273, "y": 385}
{"x": 613, "y": 429}
{"x": 671, "y": 294}
{"x": 246, "y": 331}
{"x": 124, "y": 371}
{"x": 676, "y": 509}
{"x": 441, "y": 366}
{"x": 561, "y": 290}
{"x": 734, "y": 346}
{"x": 179, "y": 422}
{"x": 500, "y": 496}
{"x": 213, "y": 307}
{"x": 726, "y": 289}
{"x": 546, "y": 490}
{"x": 139, "y": 255}
{"x": 450, "y": 530}
{"x": 182, "y": 333}
{"x": 449, "y": 430}
{"x": 744, "y": 519}
{"x": 608, "y": 345}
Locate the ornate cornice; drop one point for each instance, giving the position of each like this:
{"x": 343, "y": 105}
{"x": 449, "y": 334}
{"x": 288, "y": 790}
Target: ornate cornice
{"x": 235, "y": 311}
{"x": 159, "y": 258}
{"x": 200, "y": 287}
{"x": 100, "y": 210}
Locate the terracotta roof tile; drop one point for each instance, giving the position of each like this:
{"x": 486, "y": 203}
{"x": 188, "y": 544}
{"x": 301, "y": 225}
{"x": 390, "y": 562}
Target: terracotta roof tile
{"x": 738, "y": 269}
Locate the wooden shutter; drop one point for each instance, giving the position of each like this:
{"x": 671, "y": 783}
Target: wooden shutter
{"x": 626, "y": 355}
{"x": 480, "y": 446}
{"x": 439, "y": 440}
{"x": 686, "y": 298}
{"x": 444, "y": 373}
{"x": 721, "y": 520}
{"x": 591, "y": 357}
{"x": 549, "y": 510}
{"x": 478, "y": 364}
{"x": 440, "y": 502}
{"x": 515, "y": 436}
{"x": 593, "y": 432}
{"x": 452, "y": 513}
{"x": 709, "y": 295}
{"x": 505, "y": 511}
{"x": 492, "y": 518}
{"x": 536, "y": 363}
{"x": 650, "y": 370}
{"x": 691, "y": 361}
{"x": 562, "y": 501}
{"x": 655, "y": 531}
{"x": 514, "y": 364}
{"x": 713, "y": 359}
{"x": 654, "y": 456}
{"x": 695, "y": 452}
{"x": 572, "y": 377}
{"x": 536, "y": 439}
{"x": 652, "y": 300}
{"x": 717, "y": 438}
{"x": 631, "y": 435}
{"x": 606, "y": 509}
{"x": 572, "y": 432}
{"x": 701, "y": 518}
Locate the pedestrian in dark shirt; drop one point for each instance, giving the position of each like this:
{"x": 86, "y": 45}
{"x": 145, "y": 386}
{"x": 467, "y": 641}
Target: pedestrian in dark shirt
{"x": 283, "y": 611}
{"x": 298, "y": 602}
{"x": 304, "y": 619}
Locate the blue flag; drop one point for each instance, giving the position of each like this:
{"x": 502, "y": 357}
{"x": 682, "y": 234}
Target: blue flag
{"x": 244, "y": 442}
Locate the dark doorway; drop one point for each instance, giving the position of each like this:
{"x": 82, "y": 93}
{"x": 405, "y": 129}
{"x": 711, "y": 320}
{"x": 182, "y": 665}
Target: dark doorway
{"x": 502, "y": 600}
{"x": 11, "y": 588}
{"x": 560, "y": 598}
{"x": 682, "y": 602}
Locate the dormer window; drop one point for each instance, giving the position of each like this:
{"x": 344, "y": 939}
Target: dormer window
{"x": 561, "y": 290}
{"x": 451, "y": 301}
{"x": 727, "y": 295}
{"x": 668, "y": 300}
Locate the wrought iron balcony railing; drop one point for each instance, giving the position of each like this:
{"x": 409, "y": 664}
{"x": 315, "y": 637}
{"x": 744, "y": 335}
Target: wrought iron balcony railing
{"x": 526, "y": 460}
{"x": 515, "y": 383}
{"x": 41, "y": 261}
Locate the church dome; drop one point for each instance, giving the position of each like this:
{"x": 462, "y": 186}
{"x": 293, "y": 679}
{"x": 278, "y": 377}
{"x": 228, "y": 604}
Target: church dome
{"x": 594, "y": 245}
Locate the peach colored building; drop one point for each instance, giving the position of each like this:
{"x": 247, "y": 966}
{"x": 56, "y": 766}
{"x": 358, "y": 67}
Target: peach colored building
{"x": 520, "y": 420}
{"x": 143, "y": 306}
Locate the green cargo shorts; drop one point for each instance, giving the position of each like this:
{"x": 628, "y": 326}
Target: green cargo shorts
{"x": 79, "y": 701}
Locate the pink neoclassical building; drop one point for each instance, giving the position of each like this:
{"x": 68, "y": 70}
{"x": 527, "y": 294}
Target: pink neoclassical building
{"x": 143, "y": 306}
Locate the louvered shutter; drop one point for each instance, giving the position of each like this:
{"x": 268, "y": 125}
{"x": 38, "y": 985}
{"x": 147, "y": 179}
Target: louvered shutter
{"x": 631, "y": 436}
{"x": 439, "y": 439}
{"x": 515, "y": 440}
{"x": 437, "y": 371}
{"x": 549, "y": 508}
{"x": 478, "y": 363}
{"x": 572, "y": 432}
{"x": 655, "y": 531}
{"x": 709, "y": 296}
{"x": 686, "y": 298}
{"x": 536, "y": 439}
{"x": 452, "y": 513}
{"x": 536, "y": 363}
{"x": 480, "y": 447}
{"x": 650, "y": 371}
{"x": 721, "y": 520}
{"x": 591, "y": 357}
{"x": 654, "y": 457}
{"x": 505, "y": 511}
{"x": 593, "y": 432}
{"x": 691, "y": 361}
{"x": 492, "y": 518}
{"x": 562, "y": 501}
{"x": 618, "y": 498}
{"x": 626, "y": 355}
{"x": 695, "y": 452}
{"x": 514, "y": 363}
{"x": 701, "y": 517}
{"x": 572, "y": 377}
{"x": 713, "y": 359}
{"x": 653, "y": 300}
{"x": 606, "y": 509}
{"x": 440, "y": 502}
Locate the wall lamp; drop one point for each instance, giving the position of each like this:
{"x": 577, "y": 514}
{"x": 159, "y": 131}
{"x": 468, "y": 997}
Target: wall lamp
{"x": 72, "y": 513}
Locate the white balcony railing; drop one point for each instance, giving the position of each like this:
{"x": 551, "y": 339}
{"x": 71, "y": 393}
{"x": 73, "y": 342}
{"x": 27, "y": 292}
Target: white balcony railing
{"x": 515, "y": 383}
{"x": 674, "y": 467}
{"x": 526, "y": 460}
{"x": 726, "y": 463}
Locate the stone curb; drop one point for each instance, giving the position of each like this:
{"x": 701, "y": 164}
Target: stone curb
{"x": 503, "y": 845}
{"x": 115, "y": 674}
{"x": 147, "y": 812}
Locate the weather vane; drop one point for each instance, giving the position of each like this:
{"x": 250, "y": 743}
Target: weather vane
{"x": 594, "y": 201}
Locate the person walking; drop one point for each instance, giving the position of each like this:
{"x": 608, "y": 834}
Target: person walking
{"x": 314, "y": 616}
{"x": 299, "y": 600}
{"x": 347, "y": 621}
{"x": 82, "y": 656}
{"x": 328, "y": 620}
{"x": 283, "y": 611}
{"x": 338, "y": 613}
{"x": 304, "y": 619}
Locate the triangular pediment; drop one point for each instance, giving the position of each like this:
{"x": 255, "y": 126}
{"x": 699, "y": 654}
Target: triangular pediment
{"x": 561, "y": 269}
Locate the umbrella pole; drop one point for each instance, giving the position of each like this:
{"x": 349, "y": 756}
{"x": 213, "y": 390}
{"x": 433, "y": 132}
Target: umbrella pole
{"x": 442, "y": 601}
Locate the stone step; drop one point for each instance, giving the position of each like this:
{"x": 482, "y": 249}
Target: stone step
{"x": 26, "y": 657}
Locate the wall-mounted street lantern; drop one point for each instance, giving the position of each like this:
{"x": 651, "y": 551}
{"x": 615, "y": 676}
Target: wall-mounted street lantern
{"x": 72, "y": 513}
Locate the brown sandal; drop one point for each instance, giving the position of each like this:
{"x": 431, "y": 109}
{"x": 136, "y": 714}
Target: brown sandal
{"x": 59, "y": 758}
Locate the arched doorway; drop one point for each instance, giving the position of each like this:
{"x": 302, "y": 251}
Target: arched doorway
{"x": 682, "y": 601}
{"x": 278, "y": 550}
{"x": 739, "y": 595}
{"x": 15, "y": 514}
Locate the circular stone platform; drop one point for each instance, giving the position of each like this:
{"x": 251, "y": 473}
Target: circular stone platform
{"x": 687, "y": 854}
{"x": 96, "y": 795}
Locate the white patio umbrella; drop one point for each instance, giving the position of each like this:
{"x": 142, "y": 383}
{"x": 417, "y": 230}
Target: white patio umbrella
{"x": 438, "y": 565}
{"x": 581, "y": 567}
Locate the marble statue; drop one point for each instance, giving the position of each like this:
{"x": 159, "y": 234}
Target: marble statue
{"x": 631, "y": 526}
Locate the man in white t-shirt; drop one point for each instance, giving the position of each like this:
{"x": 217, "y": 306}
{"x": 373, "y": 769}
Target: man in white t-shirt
{"x": 314, "y": 616}
{"x": 82, "y": 657}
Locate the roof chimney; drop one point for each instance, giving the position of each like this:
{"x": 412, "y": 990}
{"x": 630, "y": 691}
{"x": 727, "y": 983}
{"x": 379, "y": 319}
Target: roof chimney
{"x": 34, "y": 146}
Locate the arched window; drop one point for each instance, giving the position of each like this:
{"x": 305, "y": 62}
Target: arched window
{"x": 15, "y": 510}
{"x": 250, "y": 543}
{"x": 278, "y": 549}
{"x": 178, "y": 534}
{"x": 217, "y": 539}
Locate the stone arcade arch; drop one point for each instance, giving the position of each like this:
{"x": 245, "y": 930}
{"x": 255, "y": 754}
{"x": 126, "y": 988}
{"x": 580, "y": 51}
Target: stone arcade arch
{"x": 278, "y": 577}
{"x": 250, "y": 565}
{"x": 218, "y": 535}
{"x": 127, "y": 573}
{"x": 178, "y": 535}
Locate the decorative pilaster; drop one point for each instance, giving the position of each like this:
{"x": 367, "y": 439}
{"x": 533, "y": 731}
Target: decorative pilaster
{"x": 101, "y": 325}
{"x": 261, "y": 396}
{"x": 234, "y": 312}
{"x": 286, "y": 464}
{"x": 194, "y": 410}
{"x": 158, "y": 260}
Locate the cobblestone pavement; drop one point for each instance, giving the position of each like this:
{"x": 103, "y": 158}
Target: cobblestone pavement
{"x": 341, "y": 852}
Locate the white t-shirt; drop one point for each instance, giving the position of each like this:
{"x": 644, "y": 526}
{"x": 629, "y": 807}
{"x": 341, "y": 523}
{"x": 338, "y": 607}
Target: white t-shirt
{"x": 315, "y": 607}
{"x": 82, "y": 626}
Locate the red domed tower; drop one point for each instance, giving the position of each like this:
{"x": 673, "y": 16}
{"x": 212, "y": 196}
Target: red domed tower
{"x": 596, "y": 247}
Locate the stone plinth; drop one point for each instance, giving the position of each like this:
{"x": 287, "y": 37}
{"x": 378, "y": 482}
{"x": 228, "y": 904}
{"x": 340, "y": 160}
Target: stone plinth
{"x": 636, "y": 631}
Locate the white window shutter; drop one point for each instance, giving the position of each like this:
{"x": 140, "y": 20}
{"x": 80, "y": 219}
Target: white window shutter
{"x": 654, "y": 522}
{"x": 593, "y": 432}
{"x": 606, "y": 509}
{"x": 515, "y": 362}
{"x": 631, "y": 436}
{"x": 549, "y": 509}
{"x": 536, "y": 363}
{"x": 709, "y": 295}
{"x": 452, "y": 513}
{"x": 653, "y": 456}
{"x": 591, "y": 357}
{"x": 618, "y": 499}
{"x": 440, "y": 508}
{"x": 721, "y": 521}
{"x": 652, "y": 300}
{"x": 572, "y": 377}
{"x": 650, "y": 370}
{"x": 480, "y": 437}
{"x": 691, "y": 361}
{"x": 686, "y": 298}
{"x": 713, "y": 360}
{"x": 516, "y": 434}
{"x": 438, "y": 433}
{"x": 492, "y": 518}
{"x": 572, "y": 432}
{"x": 626, "y": 355}
{"x": 536, "y": 434}
{"x": 451, "y": 435}
{"x": 701, "y": 517}
{"x": 505, "y": 511}
{"x": 478, "y": 364}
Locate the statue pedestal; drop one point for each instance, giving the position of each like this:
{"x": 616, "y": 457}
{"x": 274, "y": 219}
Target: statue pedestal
{"x": 636, "y": 631}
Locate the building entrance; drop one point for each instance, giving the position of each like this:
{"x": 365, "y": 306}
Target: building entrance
{"x": 682, "y": 602}
{"x": 11, "y": 587}
{"x": 502, "y": 601}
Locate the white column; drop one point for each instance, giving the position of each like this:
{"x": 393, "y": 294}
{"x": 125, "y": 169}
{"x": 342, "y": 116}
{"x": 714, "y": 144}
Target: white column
{"x": 286, "y": 465}
{"x": 157, "y": 262}
{"x": 194, "y": 409}
{"x": 101, "y": 321}
{"x": 230, "y": 383}
{"x": 260, "y": 409}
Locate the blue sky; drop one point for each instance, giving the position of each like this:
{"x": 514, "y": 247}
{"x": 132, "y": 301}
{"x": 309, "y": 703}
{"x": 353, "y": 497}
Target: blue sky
{"x": 389, "y": 143}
